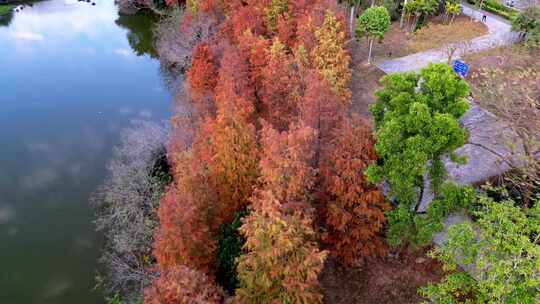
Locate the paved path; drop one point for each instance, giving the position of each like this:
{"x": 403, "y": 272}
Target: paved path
{"x": 498, "y": 34}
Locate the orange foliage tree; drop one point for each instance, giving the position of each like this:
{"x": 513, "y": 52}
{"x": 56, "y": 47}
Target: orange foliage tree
{"x": 181, "y": 285}
{"x": 283, "y": 260}
{"x": 185, "y": 235}
{"x": 202, "y": 76}
{"x": 227, "y": 146}
{"x": 355, "y": 208}
{"x": 320, "y": 109}
{"x": 330, "y": 56}
{"x": 235, "y": 90}
{"x": 271, "y": 86}
{"x": 280, "y": 91}
{"x": 286, "y": 163}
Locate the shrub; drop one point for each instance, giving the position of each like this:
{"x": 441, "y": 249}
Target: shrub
{"x": 497, "y": 8}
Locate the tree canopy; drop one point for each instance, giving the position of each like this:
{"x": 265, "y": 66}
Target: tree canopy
{"x": 416, "y": 122}
{"x": 373, "y": 23}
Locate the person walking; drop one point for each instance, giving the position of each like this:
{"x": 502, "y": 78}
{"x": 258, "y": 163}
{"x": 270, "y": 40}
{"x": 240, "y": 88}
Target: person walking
{"x": 484, "y": 18}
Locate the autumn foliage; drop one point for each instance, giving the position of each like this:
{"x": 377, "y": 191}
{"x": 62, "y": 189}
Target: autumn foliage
{"x": 283, "y": 261}
{"x": 227, "y": 146}
{"x": 355, "y": 212}
{"x": 271, "y": 136}
{"x": 181, "y": 285}
{"x": 202, "y": 76}
{"x": 186, "y": 216}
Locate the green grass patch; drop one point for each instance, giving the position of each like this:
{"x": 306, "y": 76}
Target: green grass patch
{"x": 6, "y": 9}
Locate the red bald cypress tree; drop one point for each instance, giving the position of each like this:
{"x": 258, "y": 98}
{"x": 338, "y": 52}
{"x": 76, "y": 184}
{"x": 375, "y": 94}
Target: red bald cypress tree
{"x": 286, "y": 163}
{"x": 235, "y": 91}
{"x": 227, "y": 147}
{"x": 280, "y": 91}
{"x": 282, "y": 261}
{"x": 320, "y": 109}
{"x": 355, "y": 208}
{"x": 181, "y": 285}
{"x": 245, "y": 18}
{"x": 187, "y": 227}
{"x": 202, "y": 77}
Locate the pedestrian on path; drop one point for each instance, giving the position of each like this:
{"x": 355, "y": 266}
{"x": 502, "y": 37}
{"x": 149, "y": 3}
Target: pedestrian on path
{"x": 484, "y": 17}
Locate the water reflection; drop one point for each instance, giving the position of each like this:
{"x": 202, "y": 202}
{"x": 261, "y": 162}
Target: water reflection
{"x": 72, "y": 75}
{"x": 5, "y": 20}
{"x": 140, "y": 36}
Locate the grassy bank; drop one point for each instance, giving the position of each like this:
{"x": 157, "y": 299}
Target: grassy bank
{"x": 6, "y": 9}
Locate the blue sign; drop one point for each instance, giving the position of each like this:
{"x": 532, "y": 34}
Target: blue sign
{"x": 461, "y": 68}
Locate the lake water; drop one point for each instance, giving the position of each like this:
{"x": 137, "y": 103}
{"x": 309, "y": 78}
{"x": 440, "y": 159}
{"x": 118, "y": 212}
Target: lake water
{"x": 72, "y": 76}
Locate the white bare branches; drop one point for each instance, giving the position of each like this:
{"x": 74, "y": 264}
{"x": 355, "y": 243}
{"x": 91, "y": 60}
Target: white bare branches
{"x": 126, "y": 206}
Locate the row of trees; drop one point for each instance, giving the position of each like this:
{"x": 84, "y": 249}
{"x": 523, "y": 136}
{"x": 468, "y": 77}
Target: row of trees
{"x": 269, "y": 169}
{"x": 269, "y": 135}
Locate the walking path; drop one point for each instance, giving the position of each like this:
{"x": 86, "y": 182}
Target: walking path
{"x": 499, "y": 34}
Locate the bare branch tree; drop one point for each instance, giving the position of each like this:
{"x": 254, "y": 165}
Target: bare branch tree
{"x": 456, "y": 49}
{"x": 126, "y": 207}
{"x": 513, "y": 94}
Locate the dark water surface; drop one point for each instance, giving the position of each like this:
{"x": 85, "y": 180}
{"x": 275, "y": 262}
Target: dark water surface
{"x": 72, "y": 76}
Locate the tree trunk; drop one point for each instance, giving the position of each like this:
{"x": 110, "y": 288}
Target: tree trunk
{"x": 402, "y": 14}
{"x": 370, "y": 48}
{"x": 351, "y": 21}
{"x": 413, "y": 25}
{"x": 372, "y": 3}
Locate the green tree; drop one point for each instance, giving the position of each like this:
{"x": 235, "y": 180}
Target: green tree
{"x": 354, "y": 4}
{"x": 528, "y": 24}
{"x": 502, "y": 256}
{"x": 452, "y": 9}
{"x": 419, "y": 9}
{"x": 373, "y": 24}
{"x": 416, "y": 122}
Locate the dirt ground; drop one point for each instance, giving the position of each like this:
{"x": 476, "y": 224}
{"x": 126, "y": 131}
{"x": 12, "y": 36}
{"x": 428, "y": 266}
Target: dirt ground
{"x": 392, "y": 280}
{"x": 399, "y": 42}
{"x": 505, "y": 58}
{"x": 364, "y": 82}
{"x": 518, "y": 71}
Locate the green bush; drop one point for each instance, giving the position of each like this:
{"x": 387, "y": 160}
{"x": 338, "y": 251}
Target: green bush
{"x": 230, "y": 247}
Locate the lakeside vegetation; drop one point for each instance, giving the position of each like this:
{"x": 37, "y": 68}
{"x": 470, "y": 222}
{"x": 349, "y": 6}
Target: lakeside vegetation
{"x": 275, "y": 192}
